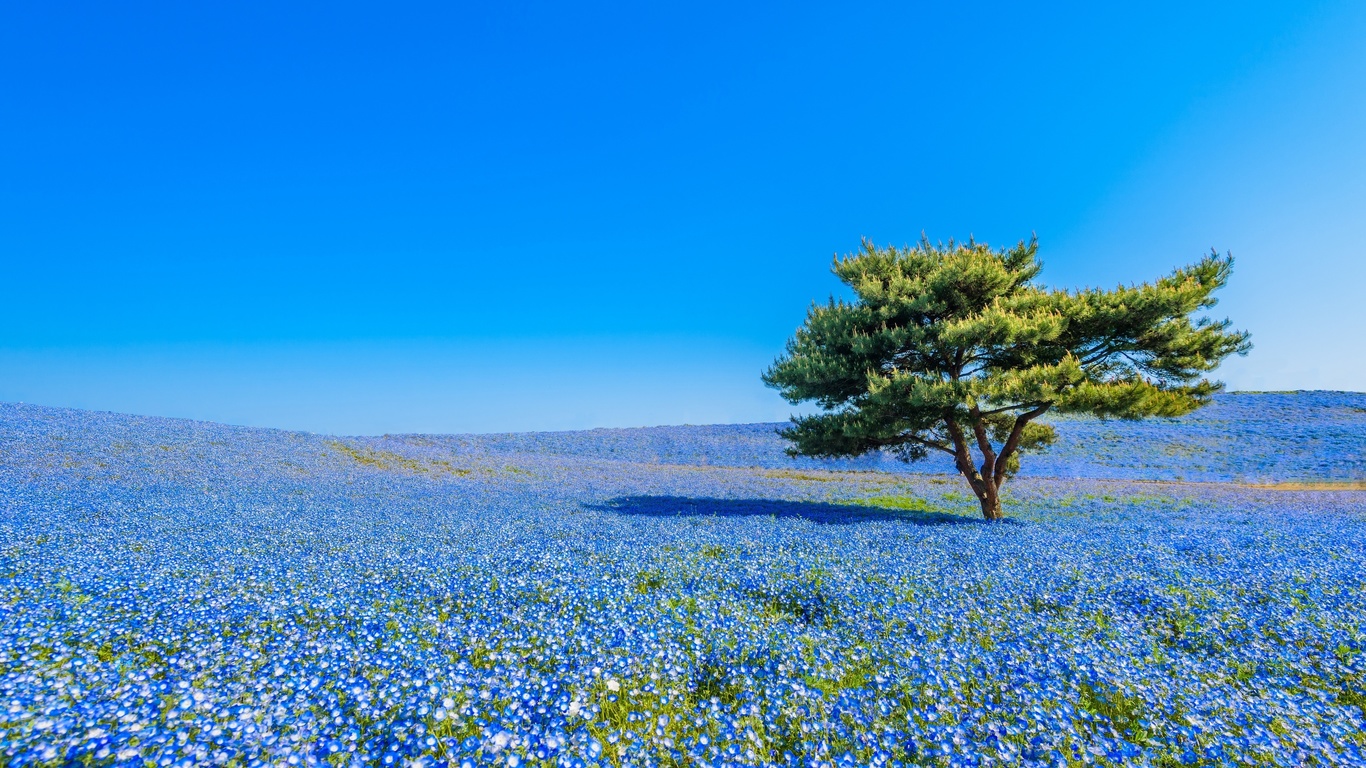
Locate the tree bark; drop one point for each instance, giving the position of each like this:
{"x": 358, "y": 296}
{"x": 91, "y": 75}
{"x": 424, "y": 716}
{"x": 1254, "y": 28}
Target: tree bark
{"x": 991, "y": 503}
{"x": 982, "y": 487}
{"x": 998, "y": 475}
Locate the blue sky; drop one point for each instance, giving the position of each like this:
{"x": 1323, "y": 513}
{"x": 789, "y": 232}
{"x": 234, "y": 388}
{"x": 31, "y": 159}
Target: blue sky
{"x": 403, "y": 217}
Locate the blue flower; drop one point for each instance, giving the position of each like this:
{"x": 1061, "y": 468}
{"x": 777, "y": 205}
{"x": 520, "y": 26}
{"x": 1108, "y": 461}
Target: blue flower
{"x": 188, "y": 593}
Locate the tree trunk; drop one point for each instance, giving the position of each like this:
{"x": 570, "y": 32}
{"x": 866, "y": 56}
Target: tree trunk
{"x": 983, "y": 486}
{"x": 991, "y": 502}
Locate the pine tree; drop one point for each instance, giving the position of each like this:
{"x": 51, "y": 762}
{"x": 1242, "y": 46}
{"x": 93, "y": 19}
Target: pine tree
{"x": 953, "y": 346}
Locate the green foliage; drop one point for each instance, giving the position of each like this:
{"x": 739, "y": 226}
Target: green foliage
{"x": 953, "y": 347}
{"x": 1124, "y": 712}
{"x": 649, "y": 581}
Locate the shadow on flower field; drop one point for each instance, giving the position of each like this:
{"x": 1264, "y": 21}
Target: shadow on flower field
{"x": 817, "y": 512}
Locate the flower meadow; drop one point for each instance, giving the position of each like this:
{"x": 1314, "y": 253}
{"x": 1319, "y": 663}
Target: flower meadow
{"x": 177, "y": 593}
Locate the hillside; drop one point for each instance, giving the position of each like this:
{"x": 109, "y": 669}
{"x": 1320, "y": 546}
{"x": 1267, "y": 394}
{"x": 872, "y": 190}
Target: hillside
{"x": 184, "y": 593}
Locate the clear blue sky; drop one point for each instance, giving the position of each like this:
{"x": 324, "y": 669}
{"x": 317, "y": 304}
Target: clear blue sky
{"x": 400, "y": 217}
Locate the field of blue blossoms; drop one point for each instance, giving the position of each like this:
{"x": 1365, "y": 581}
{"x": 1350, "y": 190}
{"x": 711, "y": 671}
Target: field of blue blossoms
{"x": 182, "y": 593}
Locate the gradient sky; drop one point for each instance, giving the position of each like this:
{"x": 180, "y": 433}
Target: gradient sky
{"x": 397, "y": 217}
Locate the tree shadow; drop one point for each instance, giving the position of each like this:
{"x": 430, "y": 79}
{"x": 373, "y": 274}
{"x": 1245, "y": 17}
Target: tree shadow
{"x": 815, "y": 511}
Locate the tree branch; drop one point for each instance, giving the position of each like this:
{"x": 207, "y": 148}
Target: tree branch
{"x": 931, "y": 444}
{"x": 899, "y": 439}
{"x": 1095, "y": 356}
{"x": 963, "y": 455}
{"x": 998, "y": 474}
{"x": 1099, "y": 352}
{"x": 983, "y": 443}
{"x": 1005, "y": 408}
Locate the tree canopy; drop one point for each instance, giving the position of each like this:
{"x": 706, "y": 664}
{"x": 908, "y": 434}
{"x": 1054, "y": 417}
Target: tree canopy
{"x": 948, "y": 347}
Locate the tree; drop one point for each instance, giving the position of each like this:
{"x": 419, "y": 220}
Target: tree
{"x": 953, "y": 346}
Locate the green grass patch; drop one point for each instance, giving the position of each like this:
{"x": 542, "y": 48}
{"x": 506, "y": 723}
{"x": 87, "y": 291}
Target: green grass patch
{"x": 390, "y": 461}
{"x": 951, "y": 503}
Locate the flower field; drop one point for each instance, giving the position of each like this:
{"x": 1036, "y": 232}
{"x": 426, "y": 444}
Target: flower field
{"x": 183, "y": 593}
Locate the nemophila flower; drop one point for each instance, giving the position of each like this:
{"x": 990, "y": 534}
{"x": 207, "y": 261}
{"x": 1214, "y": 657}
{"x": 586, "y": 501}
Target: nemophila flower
{"x": 192, "y": 594}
